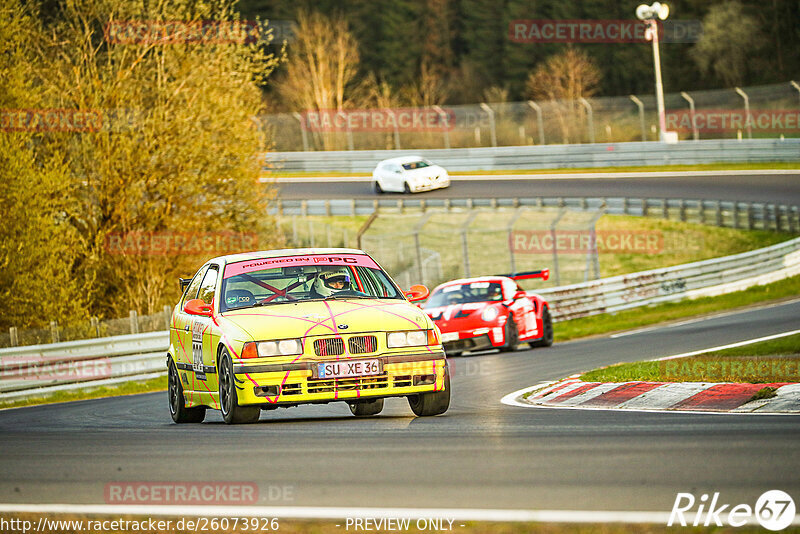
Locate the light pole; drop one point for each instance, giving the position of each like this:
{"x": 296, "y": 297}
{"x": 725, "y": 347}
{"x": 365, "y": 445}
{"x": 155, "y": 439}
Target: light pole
{"x": 649, "y": 14}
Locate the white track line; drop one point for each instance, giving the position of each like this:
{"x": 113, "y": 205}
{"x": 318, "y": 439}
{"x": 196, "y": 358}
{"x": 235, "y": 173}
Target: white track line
{"x": 545, "y": 176}
{"x": 343, "y": 513}
{"x": 700, "y": 319}
{"x": 730, "y": 346}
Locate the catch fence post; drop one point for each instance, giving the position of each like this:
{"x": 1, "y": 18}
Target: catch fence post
{"x": 13, "y": 336}
{"x": 54, "y": 332}
{"x": 299, "y": 118}
{"x": 640, "y": 105}
{"x": 418, "y": 247}
{"x": 511, "y": 239}
{"x": 540, "y": 125}
{"x": 589, "y": 118}
{"x": 445, "y": 125}
{"x": 134, "y": 320}
{"x": 489, "y": 111}
{"x": 555, "y": 249}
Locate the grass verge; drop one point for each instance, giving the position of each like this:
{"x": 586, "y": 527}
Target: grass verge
{"x": 660, "y": 313}
{"x": 125, "y": 388}
{"x": 776, "y": 360}
{"x": 780, "y": 165}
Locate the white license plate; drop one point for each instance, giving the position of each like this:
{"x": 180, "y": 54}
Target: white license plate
{"x": 349, "y": 368}
{"x": 449, "y": 336}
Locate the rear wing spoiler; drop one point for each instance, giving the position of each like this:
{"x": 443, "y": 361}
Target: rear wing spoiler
{"x": 544, "y": 274}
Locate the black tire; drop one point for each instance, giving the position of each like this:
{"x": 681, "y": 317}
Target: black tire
{"x": 366, "y": 408}
{"x": 433, "y": 403}
{"x": 177, "y": 407}
{"x": 377, "y": 187}
{"x": 232, "y": 413}
{"x": 547, "y": 327}
{"x": 511, "y": 335}
{"x": 406, "y": 189}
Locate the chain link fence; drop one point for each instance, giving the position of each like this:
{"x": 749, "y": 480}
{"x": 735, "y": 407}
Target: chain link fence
{"x": 715, "y": 114}
{"x": 438, "y": 246}
{"x": 94, "y": 328}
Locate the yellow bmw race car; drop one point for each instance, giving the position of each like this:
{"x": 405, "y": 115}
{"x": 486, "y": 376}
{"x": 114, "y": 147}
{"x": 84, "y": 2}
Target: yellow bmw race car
{"x": 279, "y": 328}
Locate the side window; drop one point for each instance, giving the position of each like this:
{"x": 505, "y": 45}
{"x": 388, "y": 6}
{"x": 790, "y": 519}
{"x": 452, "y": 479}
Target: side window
{"x": 191, "y": 291}
{"x": 209, "y": 284}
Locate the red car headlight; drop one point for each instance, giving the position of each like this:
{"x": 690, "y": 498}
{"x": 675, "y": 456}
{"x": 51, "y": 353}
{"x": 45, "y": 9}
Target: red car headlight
{"x": 490, "y": 314}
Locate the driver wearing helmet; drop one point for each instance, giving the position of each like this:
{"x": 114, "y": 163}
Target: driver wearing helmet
{"x": 329, "y": 283}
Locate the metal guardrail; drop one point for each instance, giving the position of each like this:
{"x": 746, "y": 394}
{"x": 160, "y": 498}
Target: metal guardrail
{"x": 708, "y": 277}
{"x": 37, "y": 369}
{"x": 595, "y": 155}
{"x": 745, "y": 215}
{"x": 40, "y": 369}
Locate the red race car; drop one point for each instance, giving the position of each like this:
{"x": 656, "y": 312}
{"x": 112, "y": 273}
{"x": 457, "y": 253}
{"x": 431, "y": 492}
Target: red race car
{"x": 490, "y": 312}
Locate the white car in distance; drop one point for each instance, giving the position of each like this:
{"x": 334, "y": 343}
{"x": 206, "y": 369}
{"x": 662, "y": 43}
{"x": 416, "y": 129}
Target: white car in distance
{"x": 408, "y": 174}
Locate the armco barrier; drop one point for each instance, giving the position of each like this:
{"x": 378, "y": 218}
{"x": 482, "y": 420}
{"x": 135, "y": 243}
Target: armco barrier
{"x": 691, "y": 280}
{"x": 595, "y": 155}
{"x": 34, "y": 370}
{"x": 78, "y": 364}
{"x": 749, "y": 215}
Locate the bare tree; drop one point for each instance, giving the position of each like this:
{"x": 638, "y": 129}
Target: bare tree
{"x": 322, "y": 64}
{"x": 563, "y": 79}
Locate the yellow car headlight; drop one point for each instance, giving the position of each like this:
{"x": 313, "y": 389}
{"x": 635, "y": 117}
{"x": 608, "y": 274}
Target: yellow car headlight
{"x": 284, "y": 347}
{"x": 413, "y": 338}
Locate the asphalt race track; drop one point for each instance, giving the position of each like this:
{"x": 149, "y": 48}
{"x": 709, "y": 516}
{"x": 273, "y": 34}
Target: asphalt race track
{"x": 480, "y": 454}
{"x": 779, "y": 188}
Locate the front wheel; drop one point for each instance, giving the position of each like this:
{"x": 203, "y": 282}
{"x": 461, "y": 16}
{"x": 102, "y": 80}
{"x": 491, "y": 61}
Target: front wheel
{"x": 406, "y": 188}
{"x": 232, "y": 413}
{"x": 511, "y": 335}
{"x": 377, "y": 187}
{"x": 177, "y": 408}
{"x": 433, "y": 403}
{"x": 547, "y": 330}
{"x": 366, "y": 408}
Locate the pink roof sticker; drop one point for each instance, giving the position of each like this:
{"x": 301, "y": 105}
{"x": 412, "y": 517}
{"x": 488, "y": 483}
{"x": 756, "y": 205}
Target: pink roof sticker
{"x": 320, "y": 260}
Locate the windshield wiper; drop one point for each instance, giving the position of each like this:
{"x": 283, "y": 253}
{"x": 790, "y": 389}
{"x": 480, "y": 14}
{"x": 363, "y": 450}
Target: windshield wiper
{"x": 343, "y": 297}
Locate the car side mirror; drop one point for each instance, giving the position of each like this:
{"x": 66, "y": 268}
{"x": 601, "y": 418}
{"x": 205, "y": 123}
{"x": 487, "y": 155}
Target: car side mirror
{"x": 184, "y": 283}
{"x": 197, "y": 307}
{"x": 417, "y": 293}
{"x": 520, "y": 295}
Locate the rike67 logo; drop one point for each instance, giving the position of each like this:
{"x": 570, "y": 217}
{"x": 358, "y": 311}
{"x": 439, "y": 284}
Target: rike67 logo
{"x": 774, "y": 510}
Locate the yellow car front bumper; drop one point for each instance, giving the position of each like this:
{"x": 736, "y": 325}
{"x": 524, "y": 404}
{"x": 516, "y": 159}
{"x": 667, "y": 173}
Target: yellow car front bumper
{"x": 289, "y": 384}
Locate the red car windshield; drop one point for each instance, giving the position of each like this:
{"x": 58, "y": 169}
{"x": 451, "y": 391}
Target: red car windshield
{"x": 464, "y": 293}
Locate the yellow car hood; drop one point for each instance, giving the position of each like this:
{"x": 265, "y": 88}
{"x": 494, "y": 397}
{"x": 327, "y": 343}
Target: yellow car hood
{"x": 320, "y": 318}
